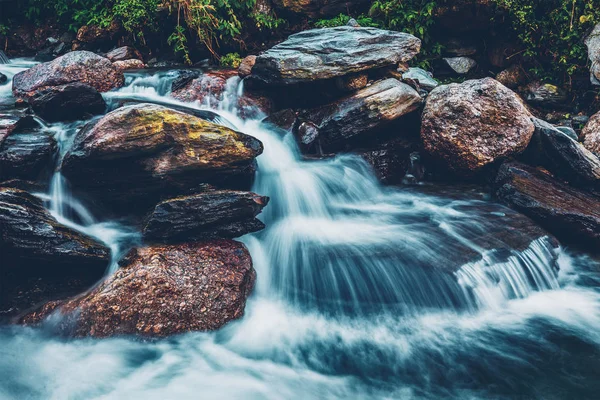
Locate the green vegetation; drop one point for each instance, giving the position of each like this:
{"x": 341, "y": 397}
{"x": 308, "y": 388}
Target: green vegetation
{"x": 231, "y": 60}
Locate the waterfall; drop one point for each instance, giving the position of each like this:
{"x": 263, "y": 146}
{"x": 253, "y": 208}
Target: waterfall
{"x": 3, "y": 58}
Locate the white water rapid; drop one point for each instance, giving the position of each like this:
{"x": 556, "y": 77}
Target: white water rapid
{"x": 362, "y": 291}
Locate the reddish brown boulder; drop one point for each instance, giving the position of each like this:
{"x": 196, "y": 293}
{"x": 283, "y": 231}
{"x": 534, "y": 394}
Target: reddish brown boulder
{"x": 591, "y": 134}
{"x": 129, "y": 64}
{"x": 78, "y": 66}
{"x": 124, "y": 53}
{"x": 161, "y": 291}
{"x": 475, "y": 123}
{"x": 245, "y": 68}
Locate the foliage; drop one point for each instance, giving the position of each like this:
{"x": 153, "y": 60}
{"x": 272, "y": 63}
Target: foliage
{"x": 343, "y": 19}
{"x": 231, "y": 60}
{"x": 551, "y": 33}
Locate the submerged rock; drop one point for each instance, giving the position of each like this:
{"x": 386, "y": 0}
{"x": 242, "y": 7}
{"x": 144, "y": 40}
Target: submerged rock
{"x": 569, "y": 213}
{"x": 78, "y": 66}
{"x": 591, "y": 134}
{"x": 593, "y": 45}
{"x": 221, "y": 214}
{"x": 41, "y": 259}
{"x": 161, "y": 291}
{"x": 475, "y": 123}
{"x": 67, "y": 102}
{"x": 26, "y": 155}
{"x": 338, "y": 124}
{"x": 320, "y": 54}
{"x": 140, "y": 152}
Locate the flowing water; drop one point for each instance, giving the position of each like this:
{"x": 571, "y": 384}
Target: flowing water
{"x": 362, "y": 292}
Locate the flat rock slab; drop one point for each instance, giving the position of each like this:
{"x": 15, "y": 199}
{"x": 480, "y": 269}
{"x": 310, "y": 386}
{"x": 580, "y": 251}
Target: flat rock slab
{"x": 320, "y": 54}
{"x": 161, "y": 291}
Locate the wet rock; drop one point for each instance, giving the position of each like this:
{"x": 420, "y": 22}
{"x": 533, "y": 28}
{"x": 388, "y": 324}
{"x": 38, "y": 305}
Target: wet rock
{"x": 570, "y": 214}
{"x": 461, "y": 65}
{"x": 285, "y": 119}
{"x": 562, "y": 155}
{"x": 220, "y": 214}
{"x": 319, "y": 8}
{"x": 512, "y": 77}
{"x": 475, "y": 123}
{"x": 353, "y": 23}
{"x": 161, "y": 291}
{"x": 390, "y": 161}
{"x": 419, "y": 79}
{"x": 3, "y": 78}
{"x": 591, "y": 134}
{"x": 139, "y": 152}
{"x": 68, "y": 102}
{"x": 27, "y": 155}
{"x": 75, "y": 67}
{"x": 245, "y": 68}
{"x": 8, "y": 123}
{"x": 184, "y": 77}
{"x": 544, "y": 94}
{"x": 593, "y": 44}
{"x": 41, "y": 259}
{"x": 352, "y": 83}
{"x": 211, "y": 88}
{"x": 129, "y": 64}
{"x": 363, "y": 113}
{"x": 320, "y": 54}
{"x": 124, "y": 53}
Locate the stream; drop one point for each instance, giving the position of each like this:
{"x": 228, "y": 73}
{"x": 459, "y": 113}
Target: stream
{"x": 362, "y": 292}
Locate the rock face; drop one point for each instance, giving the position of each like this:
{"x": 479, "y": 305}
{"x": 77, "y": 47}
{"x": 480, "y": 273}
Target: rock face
{"x": 568, "y": 213}
{"x": 124, "y": 53}
{"x": 138, "y": 152}
{"x": 593, "y": 45}
{"x": 67, "y": 102}
{"x": 591, "y": 134}
{"x": 320, "y": 54}
{"x": 41, "y": 259}
{"x": 318, "y": 8}
{"x": 473, "y": 124}
{"x": 212, "y": 215}
{"x": 26, "y": 155}
{"x": 77, "y": 66}
{"x": 562, "y": 155}
{"x": 163, "y": 290}
{"x": 360, "y": 114}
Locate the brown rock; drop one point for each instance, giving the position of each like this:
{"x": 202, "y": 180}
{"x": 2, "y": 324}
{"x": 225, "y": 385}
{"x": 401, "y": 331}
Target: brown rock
{"x": 591, "y": 134}
{"x": 512, "y": 77}
{"x": 245, "y": 68}
{"x": 476, "y": 123}
{"x": 78, "y": 66}
{"x": 129, "y": 64}
{"x": 352, "y": 83}
{"x": 124, "y": 53}
{"x": 95, "y": 35}
{"x": 161, "y": 291}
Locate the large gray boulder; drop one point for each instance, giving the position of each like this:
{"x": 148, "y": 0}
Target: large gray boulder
{"x": 593, "y": 45}
{"x": 475, "y": 123}
{"x": 320, "y": 54}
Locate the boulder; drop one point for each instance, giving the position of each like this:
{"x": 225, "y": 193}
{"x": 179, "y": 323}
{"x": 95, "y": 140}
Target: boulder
{"x": 162, "y": 290}
{"x": 77, "y": 66}
{"x": 420, "y": 79}
{"x": 211, "y": 88}
{"x": 562, "y": 155}
{"x": 142, "y": 151}
{"x": 124, "y": 53}
{"x": 219, "y": 214}
{"x": 544, "y": 94}
{"x": 512, "y": 77}
{"x": 320, "y": 54}
{"x": 42, "y": 260}
{"x": 27, "y": 155}
{"x": 569, "y": 213}
{"x": 591, "y": 134}
{"x": 68, "y": 102}
{"x": 593, "y": 44}
{"x": 129, "y": 64}
{"x": 475, "y": 123}
{"x": 97, "y": 36}
{"x": 3, "y": 79}
{"x": 319, "y": 8}
{"x": 346, "y": 121}
{"x": 460, "y": 65}
{"x": 245, "y": 68}
{"x": 390, "y": 161}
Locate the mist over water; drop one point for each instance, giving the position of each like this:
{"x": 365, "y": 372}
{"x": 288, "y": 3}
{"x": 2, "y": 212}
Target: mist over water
{"x": 361, "y": 293}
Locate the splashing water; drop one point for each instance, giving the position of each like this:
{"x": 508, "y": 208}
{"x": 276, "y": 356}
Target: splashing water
{"x": 362, "y": 292}
{"x": 3, "y": 58}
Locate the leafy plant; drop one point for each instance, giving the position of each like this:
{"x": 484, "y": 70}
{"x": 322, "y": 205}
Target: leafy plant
{"x": 231, "y": 60}
{"x": 343, "y": 19}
